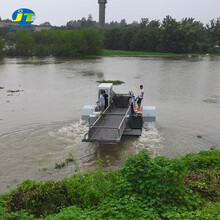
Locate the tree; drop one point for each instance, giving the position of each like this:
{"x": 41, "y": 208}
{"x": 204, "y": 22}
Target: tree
{"x": 170, "y": 38}
{"x": 144, "y": 22}
{"x": 46, "y": 24}
{"x": 214, "y": 34}
{"x": 2, "y": 44}
{"x": 123, "y": 23}
{"x": 25, "y": 44}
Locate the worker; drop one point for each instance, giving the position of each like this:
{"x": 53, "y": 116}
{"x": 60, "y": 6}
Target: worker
{"x": 140, "y": 96}
{"x": 106, "y": 100}
{"x": 101, "y": 101}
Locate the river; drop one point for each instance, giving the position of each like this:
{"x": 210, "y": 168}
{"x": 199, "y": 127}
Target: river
{"x": 40, "y": 125}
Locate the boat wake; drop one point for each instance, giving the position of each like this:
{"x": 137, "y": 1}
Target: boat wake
{"x": 151, "y": 139}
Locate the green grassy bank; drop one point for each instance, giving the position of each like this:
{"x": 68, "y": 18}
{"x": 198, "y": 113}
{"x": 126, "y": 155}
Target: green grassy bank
{"x": 215, "y": 54}
{"x": 143, "y": 188}
{"x": 112, "y": 53}
{"x": 108, "y": 53}
{"x": 121, "y": 53}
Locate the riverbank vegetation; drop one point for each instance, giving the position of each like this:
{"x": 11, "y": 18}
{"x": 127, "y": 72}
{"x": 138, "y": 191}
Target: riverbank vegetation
{"x": 33, "y": 63}
{"x": 123, "y": 53}
{"x": 65, "y": 43}
{"x": 169, "y": 36}
{"x": 2, "y": 44}
{"x": 143, "y": 188}
{"x": 83, "y": 37}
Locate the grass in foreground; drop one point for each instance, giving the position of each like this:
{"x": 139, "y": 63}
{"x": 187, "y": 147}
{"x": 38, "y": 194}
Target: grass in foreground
{"x": 143, "y": 188}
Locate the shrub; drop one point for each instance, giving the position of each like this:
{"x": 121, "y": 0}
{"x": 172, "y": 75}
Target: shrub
{"x": 40, "y": 199}
{"x": 206, "y": 183}
{"x": 159, "y": 181}
{"x": 210, "y": 212}
{"x": 203, "y": 160}
{"x": 73, "y": 213}
{"x": 86, "y": 190}
{"x": 4, "y": 215}
{"x": 127, "y": 207}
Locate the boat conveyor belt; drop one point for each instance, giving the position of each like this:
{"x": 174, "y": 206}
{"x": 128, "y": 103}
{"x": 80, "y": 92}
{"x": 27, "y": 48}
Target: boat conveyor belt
{"x": 109, "y": 127}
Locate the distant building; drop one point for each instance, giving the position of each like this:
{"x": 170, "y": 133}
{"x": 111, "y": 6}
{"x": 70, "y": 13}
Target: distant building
{"x": 102, "y": 5}
{"x": 10, "y": 24}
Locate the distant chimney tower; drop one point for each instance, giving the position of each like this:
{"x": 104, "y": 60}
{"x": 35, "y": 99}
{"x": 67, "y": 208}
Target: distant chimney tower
{"x": 102, "y": 4}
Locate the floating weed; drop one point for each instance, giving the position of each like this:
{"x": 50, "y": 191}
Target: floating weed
{"x": 213, "y": 101}
{"x": 213, "y": 148}
{"x": 2, "y": 87}
{"x": 88, "y": 74}
{"x": 199, "y": 136}
{"x": 13, "y": 91}
{"x": 114, "y": 82}
{"x": 71, "y": 159}
{"x": 60, "y": 165}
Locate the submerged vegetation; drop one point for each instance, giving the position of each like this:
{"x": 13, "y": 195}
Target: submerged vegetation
{"x": 143, "y": 188}
{"x": 114, "y": 82}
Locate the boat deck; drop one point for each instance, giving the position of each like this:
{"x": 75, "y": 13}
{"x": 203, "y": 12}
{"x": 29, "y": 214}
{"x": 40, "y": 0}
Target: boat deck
{"x": 109, "y": 128}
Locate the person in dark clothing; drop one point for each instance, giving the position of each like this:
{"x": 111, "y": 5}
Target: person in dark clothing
{"x": 106, "y": 100}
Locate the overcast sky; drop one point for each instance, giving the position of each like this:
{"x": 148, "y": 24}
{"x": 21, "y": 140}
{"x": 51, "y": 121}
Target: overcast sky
{"x": 59, "y": 12}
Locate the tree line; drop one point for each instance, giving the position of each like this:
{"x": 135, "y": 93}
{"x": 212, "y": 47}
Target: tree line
{"x": 168, "y": 35}
{"x": 185, "y": 36}
{"x": 84, "y": 37}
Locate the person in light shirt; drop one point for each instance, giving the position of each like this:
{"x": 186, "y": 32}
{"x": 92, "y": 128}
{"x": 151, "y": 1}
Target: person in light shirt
{"x": 140, "y": 96}
{"x": 102, "y": 101}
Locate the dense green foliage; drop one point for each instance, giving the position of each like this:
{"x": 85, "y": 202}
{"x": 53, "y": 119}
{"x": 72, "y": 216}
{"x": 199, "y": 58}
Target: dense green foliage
{"x": 84, "y": 37}
{"x": 203, "y": 160}
{"x": 185, "y": 36}
{"x": 57, "y": 43}
{"x": 210, "y": 212}
{"x": 2, "y": 43}
{"x": 144, "y": 188}
{"x": 40, "y": 199}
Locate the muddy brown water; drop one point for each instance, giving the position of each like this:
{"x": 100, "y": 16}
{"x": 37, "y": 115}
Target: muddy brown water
{"x": 40, "y": 125}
